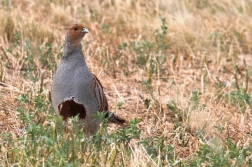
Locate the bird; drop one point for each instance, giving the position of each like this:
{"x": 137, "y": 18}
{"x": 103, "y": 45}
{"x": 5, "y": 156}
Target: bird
{"x": 75, "y": 90}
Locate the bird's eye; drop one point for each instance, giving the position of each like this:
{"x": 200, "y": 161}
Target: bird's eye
{"x": 75, "y": 29}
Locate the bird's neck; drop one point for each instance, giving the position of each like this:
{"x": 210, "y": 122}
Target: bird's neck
{"x": 70, "y": 48}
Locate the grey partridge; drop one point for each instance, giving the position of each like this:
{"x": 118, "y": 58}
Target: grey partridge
{"x": 75, "y": 90}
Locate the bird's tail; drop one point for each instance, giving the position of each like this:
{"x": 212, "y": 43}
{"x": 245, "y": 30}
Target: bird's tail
{"x": 113, "y": 118}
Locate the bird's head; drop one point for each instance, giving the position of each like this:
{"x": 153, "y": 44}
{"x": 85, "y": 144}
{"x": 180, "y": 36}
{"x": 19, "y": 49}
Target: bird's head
{"x": 75, "y": 33}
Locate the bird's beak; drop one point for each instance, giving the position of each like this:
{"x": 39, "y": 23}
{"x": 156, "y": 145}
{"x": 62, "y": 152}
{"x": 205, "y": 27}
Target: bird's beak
{"x": 85, "y": 30}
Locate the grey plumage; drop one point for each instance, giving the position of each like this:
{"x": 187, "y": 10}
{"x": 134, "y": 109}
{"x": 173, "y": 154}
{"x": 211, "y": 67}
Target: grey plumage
{"x": 75, "y": 90}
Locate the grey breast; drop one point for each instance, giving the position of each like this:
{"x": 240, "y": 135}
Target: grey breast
{"x": 73, "y": 79}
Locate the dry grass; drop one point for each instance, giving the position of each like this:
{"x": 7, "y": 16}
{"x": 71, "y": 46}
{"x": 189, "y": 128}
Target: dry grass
{"x": 208, "y": 43}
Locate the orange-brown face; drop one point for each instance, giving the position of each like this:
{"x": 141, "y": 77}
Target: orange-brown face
{"x": 76, "y": 32}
